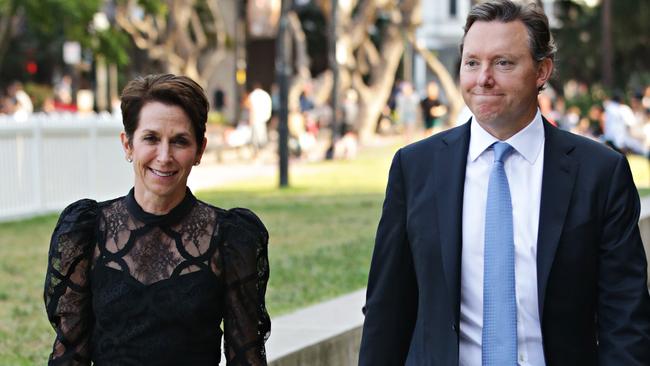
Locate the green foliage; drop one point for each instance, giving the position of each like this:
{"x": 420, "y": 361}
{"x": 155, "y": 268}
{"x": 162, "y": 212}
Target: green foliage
{"x": 113, "y": 43}
{"x": 315, "y": 27}
{"x": 48, "y": 23}
{"x": 39, "y": 93}
{"x": 155, "y": 7}
{"x": 579, "y": 42}
{"x": 49, "y": 16}
{"x": 7, "y": 7}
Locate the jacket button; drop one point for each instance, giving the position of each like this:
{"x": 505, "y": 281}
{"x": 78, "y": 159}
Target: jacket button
{"x": 453, "y": 327}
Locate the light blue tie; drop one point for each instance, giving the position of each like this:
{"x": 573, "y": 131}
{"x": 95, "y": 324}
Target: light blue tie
{"x": 499, "y": 304}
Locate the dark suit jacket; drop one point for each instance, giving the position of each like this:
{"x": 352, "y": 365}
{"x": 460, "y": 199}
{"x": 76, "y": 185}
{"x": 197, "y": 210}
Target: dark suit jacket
{"x": 591, "y": 267}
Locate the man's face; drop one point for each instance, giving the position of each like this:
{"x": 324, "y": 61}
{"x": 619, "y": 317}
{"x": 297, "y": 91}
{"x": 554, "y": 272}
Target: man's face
{"x": 499, "y": 78}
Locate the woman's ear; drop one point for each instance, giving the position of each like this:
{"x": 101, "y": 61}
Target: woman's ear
{"x": 199, "y": 154}
{"x": 126, "y": 145}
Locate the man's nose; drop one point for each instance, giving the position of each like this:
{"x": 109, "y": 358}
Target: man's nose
{"x": 485, "y": 77}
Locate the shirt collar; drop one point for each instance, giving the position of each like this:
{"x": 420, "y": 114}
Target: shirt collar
{"x": 527, "y": 142}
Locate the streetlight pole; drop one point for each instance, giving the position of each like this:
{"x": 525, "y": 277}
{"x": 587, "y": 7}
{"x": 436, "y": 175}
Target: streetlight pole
{"x": 329, "y": 155}
{"x": 240, "y": 57}
{"x": 283, "y": 72}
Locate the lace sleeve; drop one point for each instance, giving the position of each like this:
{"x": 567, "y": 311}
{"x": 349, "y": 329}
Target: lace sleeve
{"x": 246, "y": 321}
{"x": 67, "y": 289}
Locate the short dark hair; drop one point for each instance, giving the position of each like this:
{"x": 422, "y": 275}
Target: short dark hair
{"x": 540, "y": 39}
{"x": 168, "y": 89}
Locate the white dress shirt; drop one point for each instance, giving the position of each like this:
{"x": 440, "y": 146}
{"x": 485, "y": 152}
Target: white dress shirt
{"x": 524, "y": 171}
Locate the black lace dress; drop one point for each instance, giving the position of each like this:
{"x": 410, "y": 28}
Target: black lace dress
{"x": 125, "y": 287}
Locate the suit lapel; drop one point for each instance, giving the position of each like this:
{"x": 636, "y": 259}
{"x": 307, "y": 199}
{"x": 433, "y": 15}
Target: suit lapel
{"x": 558, "y": 180}
{"x": 450, "y": 163}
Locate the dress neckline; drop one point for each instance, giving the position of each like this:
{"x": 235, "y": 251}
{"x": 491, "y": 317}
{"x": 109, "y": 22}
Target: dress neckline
{"x": 173, "y": 216}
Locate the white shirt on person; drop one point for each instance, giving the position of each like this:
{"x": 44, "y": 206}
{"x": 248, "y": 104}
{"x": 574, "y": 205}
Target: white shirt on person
{"x": 524, "y": 171}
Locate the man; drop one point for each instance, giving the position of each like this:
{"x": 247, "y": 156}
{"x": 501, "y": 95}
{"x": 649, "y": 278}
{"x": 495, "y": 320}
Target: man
{"x": 507, "y": 241}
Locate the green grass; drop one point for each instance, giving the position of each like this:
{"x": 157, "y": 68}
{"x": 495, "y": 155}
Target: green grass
{"x": 321, "y": 229}
{"x": 321, "y": 237}
{"x": 25, "y": 334}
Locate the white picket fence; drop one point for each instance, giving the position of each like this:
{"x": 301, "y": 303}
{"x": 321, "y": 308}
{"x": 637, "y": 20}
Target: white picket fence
{"x": 49, "y": 161}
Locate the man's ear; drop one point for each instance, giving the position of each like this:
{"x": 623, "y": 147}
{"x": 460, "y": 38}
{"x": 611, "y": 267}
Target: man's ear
{"x": 544, "y": 71}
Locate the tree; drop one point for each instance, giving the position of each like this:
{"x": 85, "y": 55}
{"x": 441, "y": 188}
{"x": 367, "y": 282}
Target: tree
{"x": 580, "y": 39}
{"x": 372, "y": 38}
{"x": 7, "y": 18}
{"x": 41, "y": 26}
{"x": 185, "y": 36}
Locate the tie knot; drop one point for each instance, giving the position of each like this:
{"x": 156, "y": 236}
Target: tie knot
{"x": 501, "y": 151}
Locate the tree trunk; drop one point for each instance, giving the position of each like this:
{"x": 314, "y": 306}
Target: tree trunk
{"x": 373, "y": 97}
{"x": 179, "y": 40}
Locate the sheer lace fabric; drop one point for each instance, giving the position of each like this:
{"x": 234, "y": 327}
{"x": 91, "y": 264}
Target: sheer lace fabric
{"x": 127, "y": 287}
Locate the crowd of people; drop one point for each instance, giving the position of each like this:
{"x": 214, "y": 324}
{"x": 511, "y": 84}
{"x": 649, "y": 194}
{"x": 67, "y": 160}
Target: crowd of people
{"x": 15, "y": 99}
{"x": 407, "y": 112}
{"x": 621, "y": 121}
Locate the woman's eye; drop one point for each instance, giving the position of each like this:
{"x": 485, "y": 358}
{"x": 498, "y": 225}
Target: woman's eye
{"x": 181, "y": 142}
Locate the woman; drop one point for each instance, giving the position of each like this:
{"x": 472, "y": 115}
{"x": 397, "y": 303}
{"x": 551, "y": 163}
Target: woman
{"x": 146, "y": 279}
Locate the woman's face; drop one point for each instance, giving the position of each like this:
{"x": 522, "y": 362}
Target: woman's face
{"x": 163, "y": 149}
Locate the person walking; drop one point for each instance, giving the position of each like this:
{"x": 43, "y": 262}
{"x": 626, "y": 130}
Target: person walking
{"x": 147, "y": 278}
{"x": 433, "y": 110}
{"x": 407, "y": 103}
{"x": 507, "y": 241}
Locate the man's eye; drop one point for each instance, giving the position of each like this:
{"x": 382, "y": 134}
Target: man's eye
{"x": 471, "y": 63}
{"x": 504, "y": 63}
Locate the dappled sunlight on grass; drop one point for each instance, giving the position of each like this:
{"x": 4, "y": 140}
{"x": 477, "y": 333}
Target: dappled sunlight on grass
{"x": 641, "y": 172}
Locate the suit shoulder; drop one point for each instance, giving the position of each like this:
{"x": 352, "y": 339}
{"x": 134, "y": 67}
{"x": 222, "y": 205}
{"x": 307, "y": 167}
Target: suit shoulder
{"x": 436, "y": 141}
{"x": 589, "y": 149}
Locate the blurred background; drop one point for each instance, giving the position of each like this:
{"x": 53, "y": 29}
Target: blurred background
{"x": 309, "y": 100}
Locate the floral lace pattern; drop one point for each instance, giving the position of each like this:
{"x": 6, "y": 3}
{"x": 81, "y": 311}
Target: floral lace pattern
{"x": 127, "y": 287}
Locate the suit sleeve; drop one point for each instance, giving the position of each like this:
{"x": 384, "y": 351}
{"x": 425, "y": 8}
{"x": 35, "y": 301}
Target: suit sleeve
{"x": 391, "y": 299}
{"x": 623, "y": 303}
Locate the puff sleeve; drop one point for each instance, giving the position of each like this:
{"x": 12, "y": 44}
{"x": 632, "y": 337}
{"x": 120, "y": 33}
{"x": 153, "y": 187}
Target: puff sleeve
{"x": 246, "y": 271}
{"x": 67, "y": 287}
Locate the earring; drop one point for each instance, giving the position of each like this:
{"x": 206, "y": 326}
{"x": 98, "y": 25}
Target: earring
{"x": 197, "y": 163}
{"x": 129, "y": 159}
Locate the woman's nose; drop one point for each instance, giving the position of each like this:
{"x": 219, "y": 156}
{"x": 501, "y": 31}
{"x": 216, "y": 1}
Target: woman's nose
{"x": 164, "y": 152}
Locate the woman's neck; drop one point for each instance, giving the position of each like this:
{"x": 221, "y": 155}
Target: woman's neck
{"x": 155, "y": 204}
